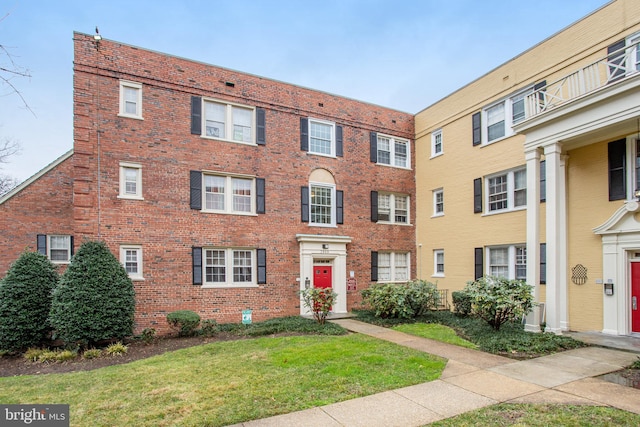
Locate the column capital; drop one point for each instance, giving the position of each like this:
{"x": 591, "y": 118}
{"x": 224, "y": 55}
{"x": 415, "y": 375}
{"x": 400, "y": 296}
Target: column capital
{"x": 532, "y": 154}
{"x": 555, "y": 148}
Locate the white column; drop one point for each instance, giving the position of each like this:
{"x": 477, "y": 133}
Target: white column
{"x": 555, "y": 226}
{"x": 563, "y": 301}
{"x": 533, "y": 235}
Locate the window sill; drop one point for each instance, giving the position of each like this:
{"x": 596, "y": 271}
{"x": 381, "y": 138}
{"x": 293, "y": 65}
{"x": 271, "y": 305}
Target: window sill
{"x": 440, "y": 275}
{"x": 438, "y": 215}
{"x": 502, "y": 138}
{"x": 130, "y": 116}
{"x": 207, "y": 211}
{"x": 433, "y": 156}
{"x": 331, "y": 156}
{"x": 128, "y": 197}
{"x": 404, "y": 224}
{"x": 233, "y": 141}
{"x": 60, "y": 262}
{"x": 323, "y": 225}
{"x": 395, "y": 167}
{"x": 229, "y": 286}
{"x": 136, "y": 278}
{"x": 502, "y": 211}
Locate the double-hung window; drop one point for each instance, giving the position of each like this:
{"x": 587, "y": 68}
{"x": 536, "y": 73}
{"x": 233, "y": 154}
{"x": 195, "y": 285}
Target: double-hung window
{"x": 438, "y": 263}
{"x": 438, "y": 202}
{"x": 130, "y": 181}
{"x": 393, "y": 266}
{"x": 229, "y": 194}
{"x": 393, "y": 208}
{"x": 229, "y": 266}
{"x": 497, "y": 120}
{"x": 507, "y": 191}
{"x": 436, "y": 143}
{"x": 391, "y": 151}
{"x": 509, "y": 262}
{"x": 130, "y": 99}
{"x": 321, "y": 138}
{"x": 57, "y": 247}
{"x": 229, "y": 122}
{"x": 131, "y": 260}
{"x": 322, "y": 204}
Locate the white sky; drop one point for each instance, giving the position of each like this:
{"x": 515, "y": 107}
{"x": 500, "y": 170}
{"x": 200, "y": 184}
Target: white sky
{"x": 403, "y": 54}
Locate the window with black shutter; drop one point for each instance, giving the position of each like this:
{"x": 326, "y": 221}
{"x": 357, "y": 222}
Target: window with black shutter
{"x": 374, "y": 206}
{"x": 374, "y": 266}
{"x": 478, "y": 263}
{"x": 195, "y": 179}
{"x": 476, "y": 124}
{"x": 543, "y": 181}
{"x": 477, "y": 195}
{"x": 617, "y": 151}
{"x": 262, "y": 266}
{"x": 196, "y": 262}
{"x": 260, "y": 196}
{"x": 196, "y": 115}
{"x": 339, "y": 207}
{"x": 261, "y": 137}
{"x": 373, "y": 147}
{"x": 304, "y": 204}
{"x": 543, "y": 263}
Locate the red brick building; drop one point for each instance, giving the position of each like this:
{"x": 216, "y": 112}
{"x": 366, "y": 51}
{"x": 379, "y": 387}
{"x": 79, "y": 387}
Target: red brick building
{"x": 221, "y": 191}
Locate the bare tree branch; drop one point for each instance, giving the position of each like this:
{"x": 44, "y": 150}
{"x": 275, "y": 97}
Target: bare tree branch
{"x": 12, "y": 70}
{"x": 8, "y": 148}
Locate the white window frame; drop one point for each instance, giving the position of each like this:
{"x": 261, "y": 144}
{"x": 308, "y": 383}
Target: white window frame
{"x": 511, "y": 191}
{"x": 436, "y": 262}
{"x": 124, "y": 84}
{"x": 229, "y": 126}
{"x": 633, "y": 59}
{"x": 392, "y": 151}
{"x": 229, "y": 195}
{"x": 139, "y": 262}
{"x": 124, "y": 166}
{"x": 332, "y": 135}
{"x": 437, "y": 140}
{"x": 507, "y": 104}
{"x": 229, "y": 266}
{"x": 393, "y": 208}
{"x": 395, "y": 270}
{"x": 330, "y": 187}
{"x": 436, "y": 203}
{"x": 512, "y": 259}
{"x": 51, "y": 248}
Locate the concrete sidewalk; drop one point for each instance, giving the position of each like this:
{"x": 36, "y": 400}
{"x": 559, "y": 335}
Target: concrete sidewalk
{"x": 472, "y": 380}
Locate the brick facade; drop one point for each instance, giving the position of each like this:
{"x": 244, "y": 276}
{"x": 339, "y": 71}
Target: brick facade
{"x": 80, "y": 196}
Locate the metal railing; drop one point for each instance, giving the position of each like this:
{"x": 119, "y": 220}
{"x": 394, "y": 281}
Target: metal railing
{"x": 443, "y": 300}
{"x": 614, "y": 67}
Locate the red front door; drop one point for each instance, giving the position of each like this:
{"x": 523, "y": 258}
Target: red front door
{"x": 635, "y": 297}
{"x": 322, "y": 276}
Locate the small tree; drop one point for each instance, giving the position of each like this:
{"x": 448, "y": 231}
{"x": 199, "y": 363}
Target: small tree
{"x": 25, "y": 301}
{"x": 497, "y": 300}
{"x": 95, "y": 298}
{"x": 319, "y": 301}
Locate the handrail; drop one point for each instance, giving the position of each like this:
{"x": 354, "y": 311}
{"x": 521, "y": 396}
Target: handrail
{"x": 616, "y": 66}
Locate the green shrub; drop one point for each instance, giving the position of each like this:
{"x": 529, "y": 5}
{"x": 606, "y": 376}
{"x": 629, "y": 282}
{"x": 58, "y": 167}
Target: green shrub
{"x": 403, "y": 301}
{"x": 497, "y": 300}
{"x": 636, "y": 364}
{"x": 461, "y": 303}
{"x": 25, "y": 301}
{"x": 319, "y": 301}
{"x": 148, "y": 335}
{"x": 65, "y": 355}
{"x": 92, "y": 353}
{"x": 33, "y": 354}
{"x": 94, "y": 300}
{"x": 185, "y": 322}
{"x": 209, "y": 327}
{"x": 116, "y": 349}
{"x": 48, "y": 356}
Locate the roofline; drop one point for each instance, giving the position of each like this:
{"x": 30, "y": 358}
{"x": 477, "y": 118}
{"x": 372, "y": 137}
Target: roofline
{"x": 517, "y": 56}
{"x": 245, "y": 73}
{"x": 24, "y": 184}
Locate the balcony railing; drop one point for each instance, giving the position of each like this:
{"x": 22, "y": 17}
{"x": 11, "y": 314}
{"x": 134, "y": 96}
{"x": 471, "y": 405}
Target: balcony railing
{"x": 615, "y": 67}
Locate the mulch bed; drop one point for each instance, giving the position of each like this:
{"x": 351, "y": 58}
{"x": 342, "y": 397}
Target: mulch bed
{"x": 18, "y": 365}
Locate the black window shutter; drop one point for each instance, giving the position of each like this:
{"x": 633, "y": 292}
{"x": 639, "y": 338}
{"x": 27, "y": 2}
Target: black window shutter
{"x": 617, "y": 151}
{"x": 196, "y": 257}
{"x": 71, "y": 245}
{"x": 41, "y": 243}
{"x": 616, "y": 60}
{"x": 543, "y": 181}
{"x": 374, "y": 266}
{"x": 196, "y": 115}
{"x": 478, "y": 263}
{"x": 543, "y": 263}
{"x": 195, "y": 178}
{"x": 339, "y": 145}
{"x": 477, "y": 195}
{"x": 476, "y": 123}
{"x": 373, "y": 147}
{"x": 374, "y": 206}
{"x": 340, "y": 207}
{"x": 304, "y": 134}
{"x": 260, "y": 196}
{"x": 304, "y": 203}
{"x": 262, "y": 266}
{"x": 260, "y": 127}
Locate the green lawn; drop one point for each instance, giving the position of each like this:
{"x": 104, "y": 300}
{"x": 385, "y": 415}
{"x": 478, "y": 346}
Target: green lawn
{"x": 434, "y": 331}
{"x": 228, "y": 382}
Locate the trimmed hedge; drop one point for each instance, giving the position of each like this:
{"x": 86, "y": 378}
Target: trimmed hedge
{"x": 184, "y": 321}
{"x": 25, "y": 301}
{"x": 95, "y": 299}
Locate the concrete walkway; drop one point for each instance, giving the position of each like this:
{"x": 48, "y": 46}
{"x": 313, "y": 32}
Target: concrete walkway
{"x": 472, "y": 380}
